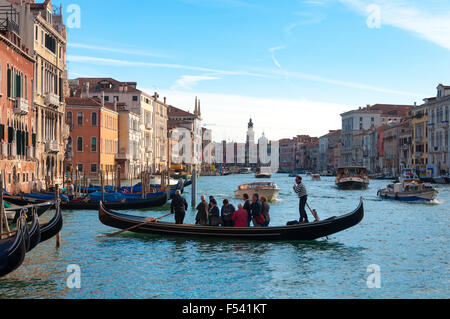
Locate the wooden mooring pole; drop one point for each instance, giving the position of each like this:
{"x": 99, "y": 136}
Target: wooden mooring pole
{"x": 58, "y": 236}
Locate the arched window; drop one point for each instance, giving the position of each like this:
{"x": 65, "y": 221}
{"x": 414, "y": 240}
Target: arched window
{"x": 79, "y": 144}
{"x": 80, "y": 118}
{"x": 94, "y": 119}
{"x": 94, "y": 144}
{"x": 69, "y": 118}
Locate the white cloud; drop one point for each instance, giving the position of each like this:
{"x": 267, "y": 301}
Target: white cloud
{"x": 114, "y": 50}
{"x": 429, "y": 20}
{"x": 189, "y": 81}
{"x": 117, "y": 62}
{"x": 228, "y": 114}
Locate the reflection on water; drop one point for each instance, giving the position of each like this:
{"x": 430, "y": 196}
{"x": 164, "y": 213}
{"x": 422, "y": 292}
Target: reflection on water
{"x": 409, "y": 242}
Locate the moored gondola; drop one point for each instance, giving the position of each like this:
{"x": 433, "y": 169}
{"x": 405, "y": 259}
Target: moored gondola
{"x": 13, "y": 249}
{"x": 34, "y": 232}
{"x": 53, "y": 227}
{"x": 13, "y": 212}
{"x": 309, "y": 231}
{"x": 154, "y": 201}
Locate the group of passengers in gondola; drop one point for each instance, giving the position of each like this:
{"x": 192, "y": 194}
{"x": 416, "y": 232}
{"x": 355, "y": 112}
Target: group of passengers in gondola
{"x": 255, "y": 211}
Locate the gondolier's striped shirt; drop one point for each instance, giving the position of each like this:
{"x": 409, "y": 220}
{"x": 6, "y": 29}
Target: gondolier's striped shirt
{"x": 300, "y": 189}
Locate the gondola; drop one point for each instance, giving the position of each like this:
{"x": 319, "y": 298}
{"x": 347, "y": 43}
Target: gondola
{"x": 309, "y": 231}
{"x": 13, "y": 213}
{"x": 34, "y": 232}
{"x": 80, "y": 204}
{"x": 13, "y": 249}
{"x": 154, "y": 201}
{"x": 53, "y": 227}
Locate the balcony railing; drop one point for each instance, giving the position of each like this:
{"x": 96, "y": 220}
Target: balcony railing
{"x": 52, "y": 99}
{"x": 122, "y": 156}
{"x": 52, "y": 147}
{"x": 21, "y": 106}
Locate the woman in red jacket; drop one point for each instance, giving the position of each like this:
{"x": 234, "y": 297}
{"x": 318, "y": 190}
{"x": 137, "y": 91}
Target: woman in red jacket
{"x": 240, "y": 217}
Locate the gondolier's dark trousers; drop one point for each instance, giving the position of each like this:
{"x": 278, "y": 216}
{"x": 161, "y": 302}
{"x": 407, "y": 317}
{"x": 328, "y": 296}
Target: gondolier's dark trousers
{"x": 179, "y": 217}
{"x": 303, "y": 215}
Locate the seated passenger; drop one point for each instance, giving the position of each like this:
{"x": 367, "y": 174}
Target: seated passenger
{"x": 240, "y": 217}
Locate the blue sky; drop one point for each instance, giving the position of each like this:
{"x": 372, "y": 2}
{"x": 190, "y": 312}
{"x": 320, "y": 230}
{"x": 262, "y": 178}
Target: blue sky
{"x": 291, "y": 65}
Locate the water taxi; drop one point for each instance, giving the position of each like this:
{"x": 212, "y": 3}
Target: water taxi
{"x": 315, "y": 177}
{"x": 409, "y": 192}
{"x": 355, "y": 177}
{"x": 263, "y": 172}
{"x": 269, "y": 190}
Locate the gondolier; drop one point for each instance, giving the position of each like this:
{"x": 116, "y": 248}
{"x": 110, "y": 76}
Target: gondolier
{"x": 300, "y": 190}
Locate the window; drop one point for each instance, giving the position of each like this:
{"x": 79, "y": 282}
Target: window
{"x": 80, "y": 167}
{"x": 69, "y": 119}
{"x": 79, "y": 144}
{"x": 93, "y": 168}
{"x": 80, "y": 118}
{"x": 94, "y": 119}
{"x": 106, "y": 98}
{"x": 135, "y": 98}
{"x": 36, "y": 37}
{"x": 50, "y": 43}
{"x": 116, "y": 98}
{"x": 94, "y": 144}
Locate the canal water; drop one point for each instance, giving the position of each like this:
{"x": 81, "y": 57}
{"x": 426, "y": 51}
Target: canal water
{"x": 408, "y": 242}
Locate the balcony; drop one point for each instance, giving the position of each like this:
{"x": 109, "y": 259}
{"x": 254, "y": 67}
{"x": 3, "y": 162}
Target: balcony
{"x": 122, "y": 156}
{"x": 52, "y": 147}
{"x": 52, "y": 99}
{"x": 21, "y": 106}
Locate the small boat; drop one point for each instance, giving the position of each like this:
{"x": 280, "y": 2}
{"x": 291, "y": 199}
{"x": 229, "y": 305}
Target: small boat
{"x": 13, "y": 249}
{"x": 263, "y": 172}
{"x": 409, "y": 192}
{"x": 310, "y": 231}
{"x": 269, "y": 190}
{"x": 13, "y": 212}
{"x": 351, "y": 178}
{"x": 315, "y": 177}
{"x": 409, "y": 176}
{"x": 292, "y": 175}
{"x": 245, "y": 170}
{"x": 443, "y": 179}
{"x": 53, "y": 227}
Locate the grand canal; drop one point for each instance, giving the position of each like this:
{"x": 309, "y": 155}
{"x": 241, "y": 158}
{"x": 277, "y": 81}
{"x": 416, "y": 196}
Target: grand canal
{"x": 409, "y": 242}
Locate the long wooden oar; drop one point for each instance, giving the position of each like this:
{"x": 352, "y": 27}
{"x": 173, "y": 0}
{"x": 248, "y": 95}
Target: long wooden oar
{"x": 316, "y": 216}
{"x": 149, "y": 220}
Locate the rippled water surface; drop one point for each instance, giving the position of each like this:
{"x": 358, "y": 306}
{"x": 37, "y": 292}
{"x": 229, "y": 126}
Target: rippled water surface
{"x": 408, "y": 241}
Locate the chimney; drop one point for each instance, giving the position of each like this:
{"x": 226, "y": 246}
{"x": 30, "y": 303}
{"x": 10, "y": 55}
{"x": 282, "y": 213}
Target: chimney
{"x": 125, "y": 88}
{"x": 86, "y": 84}
{"x": 115, "y": 105}
{"x": 103, "y": 98}
{"x": 165, "y": 99}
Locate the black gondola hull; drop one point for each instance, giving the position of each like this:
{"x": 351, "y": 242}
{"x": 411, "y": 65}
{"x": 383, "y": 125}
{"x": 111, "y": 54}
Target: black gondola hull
{"x": 12, "y": 251}
{"x": 310, "y": 231}
{"x": 352, "y": 185}
{"x": 40, "y": 209}
{"x": 132, "y": 204}
{"x": 53, "y": 227}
